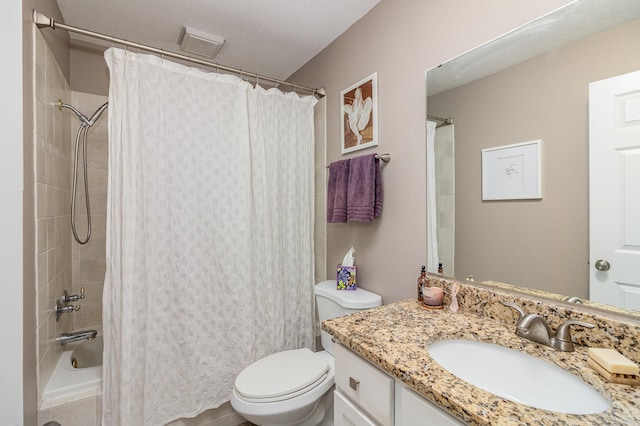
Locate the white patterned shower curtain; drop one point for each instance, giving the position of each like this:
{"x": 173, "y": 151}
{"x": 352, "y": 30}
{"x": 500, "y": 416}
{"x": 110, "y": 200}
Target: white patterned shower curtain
{"x": 432, "y": 211}
{"x": 209, "y": 235}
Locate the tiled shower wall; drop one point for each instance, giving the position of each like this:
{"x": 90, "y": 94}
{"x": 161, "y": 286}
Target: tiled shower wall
{"x": 88, "y": 260}
{"x": 63, "y": 265}
{"x": 53, "y": 192}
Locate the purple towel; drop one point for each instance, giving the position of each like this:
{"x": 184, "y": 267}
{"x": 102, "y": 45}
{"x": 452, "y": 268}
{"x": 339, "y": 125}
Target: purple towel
{"x": 364, "y": 193}
{"x": 337, "y": 191}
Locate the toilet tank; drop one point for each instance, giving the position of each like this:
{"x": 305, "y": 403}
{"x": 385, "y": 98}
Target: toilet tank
{"x": 334, "y": 303}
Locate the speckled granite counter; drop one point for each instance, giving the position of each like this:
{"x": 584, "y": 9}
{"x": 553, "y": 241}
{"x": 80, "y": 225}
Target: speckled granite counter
{"x": 394, "y": 337}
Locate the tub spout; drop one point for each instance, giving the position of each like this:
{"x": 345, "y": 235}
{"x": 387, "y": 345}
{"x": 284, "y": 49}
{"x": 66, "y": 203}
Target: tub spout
{"x": 77, "y": 335}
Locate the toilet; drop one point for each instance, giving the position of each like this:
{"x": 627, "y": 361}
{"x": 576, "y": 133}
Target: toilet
{"x": 294, "y": 387}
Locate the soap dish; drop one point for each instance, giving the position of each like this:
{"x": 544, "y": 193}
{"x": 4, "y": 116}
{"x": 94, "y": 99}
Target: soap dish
{"x": 624, "y": 379}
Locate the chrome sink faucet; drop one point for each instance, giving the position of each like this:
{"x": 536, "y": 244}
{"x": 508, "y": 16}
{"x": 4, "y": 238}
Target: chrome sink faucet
{"x": 535, "y": 328}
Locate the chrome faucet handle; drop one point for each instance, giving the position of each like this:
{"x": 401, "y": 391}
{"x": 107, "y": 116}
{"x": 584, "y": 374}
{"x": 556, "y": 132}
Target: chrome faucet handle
{"x": 68, "y": 309}
{"x": 64, "y": 308}
{"x": 562, "y": 340}
{"x": 73, "y": 298}
{"x": 564, "y": 331}
{"x": 521, "y": 312}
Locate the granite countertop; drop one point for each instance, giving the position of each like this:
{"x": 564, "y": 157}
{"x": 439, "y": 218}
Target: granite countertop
{"x": 394, "y": 337}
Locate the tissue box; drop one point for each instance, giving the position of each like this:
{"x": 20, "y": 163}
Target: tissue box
{"x": 346, "y": 277}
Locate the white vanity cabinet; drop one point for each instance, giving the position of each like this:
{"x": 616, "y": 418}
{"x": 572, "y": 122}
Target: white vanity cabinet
{"x": 367, "y": 396}
{"x": 412, "y": 409}
{"x": 361, "y": 383}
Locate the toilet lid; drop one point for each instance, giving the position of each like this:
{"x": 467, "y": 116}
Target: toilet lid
{"x": 281, "y": 376}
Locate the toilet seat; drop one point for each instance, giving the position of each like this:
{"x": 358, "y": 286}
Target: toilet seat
{"x": 281, "y": 376}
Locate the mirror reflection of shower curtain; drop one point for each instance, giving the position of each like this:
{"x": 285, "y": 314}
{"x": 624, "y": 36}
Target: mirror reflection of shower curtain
{"x": 445, "y": 196}
{"x": 209, "y": 235}
{"x": 432, "y": 216}
{"x": 440, "y": 197}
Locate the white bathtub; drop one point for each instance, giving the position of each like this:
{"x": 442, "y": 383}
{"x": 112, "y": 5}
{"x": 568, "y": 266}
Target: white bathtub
{"x": 68, "y": 383}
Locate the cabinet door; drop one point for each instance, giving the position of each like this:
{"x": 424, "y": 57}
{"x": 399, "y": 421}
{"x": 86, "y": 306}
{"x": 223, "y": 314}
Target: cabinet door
{"x": 364, "y": 384}
{"x": 345, "y": 413}
{"x": 412, "y": 409}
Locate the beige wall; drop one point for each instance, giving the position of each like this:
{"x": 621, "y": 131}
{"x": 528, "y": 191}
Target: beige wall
{"x": 541, "y": 244}
{"x": 89, "y": 72}
{"x": 400, "y": 40}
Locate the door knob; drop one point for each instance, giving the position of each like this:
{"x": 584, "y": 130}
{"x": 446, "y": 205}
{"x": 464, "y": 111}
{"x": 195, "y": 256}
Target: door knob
{"x": 602, "y": 265}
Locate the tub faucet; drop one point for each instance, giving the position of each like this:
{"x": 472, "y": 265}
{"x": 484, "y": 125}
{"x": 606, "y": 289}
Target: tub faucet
{"x": 77, "y": 335}
{"x": 535, "y": 328}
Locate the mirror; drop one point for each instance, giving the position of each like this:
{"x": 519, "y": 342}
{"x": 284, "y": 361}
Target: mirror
{"x": 531, "y": 84}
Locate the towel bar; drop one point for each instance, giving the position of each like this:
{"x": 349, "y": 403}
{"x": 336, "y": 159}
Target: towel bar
{"x": 384, "y": 157}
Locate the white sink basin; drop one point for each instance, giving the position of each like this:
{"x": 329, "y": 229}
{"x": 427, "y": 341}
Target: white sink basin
{"x": 517, "y": 376}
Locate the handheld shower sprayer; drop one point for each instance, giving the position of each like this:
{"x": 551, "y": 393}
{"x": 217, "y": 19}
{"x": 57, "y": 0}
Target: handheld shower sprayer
{"x": 83, "y": 118}
{"x": 85, "y": 123}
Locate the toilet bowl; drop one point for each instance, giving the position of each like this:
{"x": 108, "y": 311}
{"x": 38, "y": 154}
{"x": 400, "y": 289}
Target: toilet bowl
{"x": 294, "y": 387}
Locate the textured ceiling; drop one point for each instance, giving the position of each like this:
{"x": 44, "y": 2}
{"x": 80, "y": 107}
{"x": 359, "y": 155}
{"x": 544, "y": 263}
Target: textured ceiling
{"x": 273, "y": 38}
{"x": 573, "y": 22}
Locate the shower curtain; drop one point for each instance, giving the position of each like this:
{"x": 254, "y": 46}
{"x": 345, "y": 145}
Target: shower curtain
{"x": 432, "y": 215}
{"x": 209, "y": 235}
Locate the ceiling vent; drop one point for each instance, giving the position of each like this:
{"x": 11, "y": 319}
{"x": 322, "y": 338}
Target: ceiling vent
{"x": 199, "y": 43}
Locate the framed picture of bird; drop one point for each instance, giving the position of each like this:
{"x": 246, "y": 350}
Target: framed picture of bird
{"x": 359, "y": 110}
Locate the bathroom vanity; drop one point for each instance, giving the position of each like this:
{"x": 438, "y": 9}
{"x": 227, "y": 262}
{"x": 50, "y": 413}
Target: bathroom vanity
{"x": 384, "y": 400}
{"x": 385, "y": 375}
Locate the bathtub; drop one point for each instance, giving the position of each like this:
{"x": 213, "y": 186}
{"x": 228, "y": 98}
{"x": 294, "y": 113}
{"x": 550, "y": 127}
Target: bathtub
{"x": 68, "y": 383}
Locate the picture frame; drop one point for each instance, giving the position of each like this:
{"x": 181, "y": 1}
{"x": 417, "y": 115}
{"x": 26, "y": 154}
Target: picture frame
{"x": 359, "y": 114}
{"x": 512, "y": 172}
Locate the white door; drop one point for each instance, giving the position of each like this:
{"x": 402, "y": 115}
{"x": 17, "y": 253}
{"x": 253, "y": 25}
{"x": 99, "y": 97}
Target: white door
{"x": 614, "y": 191}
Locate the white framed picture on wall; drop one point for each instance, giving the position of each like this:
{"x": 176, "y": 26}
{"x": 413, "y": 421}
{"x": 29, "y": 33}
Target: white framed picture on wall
{"x": 512, "y": 172}
{"x": 359, "y": 111}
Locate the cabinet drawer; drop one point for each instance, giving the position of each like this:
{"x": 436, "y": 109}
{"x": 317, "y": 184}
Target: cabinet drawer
{"x": 345, "y": 412}
{"x": 364, "y": 384}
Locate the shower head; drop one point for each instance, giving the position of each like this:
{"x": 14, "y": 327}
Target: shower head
{"x": 98, "y": 113}
{"x": 83, "y": 118}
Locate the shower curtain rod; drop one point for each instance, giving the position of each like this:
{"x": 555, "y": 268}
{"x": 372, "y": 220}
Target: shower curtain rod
{"x": 42, "y": 21}
{"x": 444, "y": 120}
